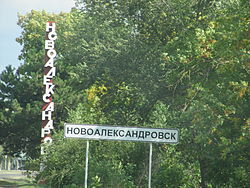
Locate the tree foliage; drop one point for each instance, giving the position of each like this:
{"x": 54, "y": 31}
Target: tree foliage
{"x": 154, "y": 63}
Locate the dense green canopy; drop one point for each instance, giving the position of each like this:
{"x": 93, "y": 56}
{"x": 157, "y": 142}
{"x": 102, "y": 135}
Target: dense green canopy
{"x": 148, "y": 63}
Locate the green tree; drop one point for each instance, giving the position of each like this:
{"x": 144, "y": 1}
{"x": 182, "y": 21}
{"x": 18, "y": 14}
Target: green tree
{"x": 21, "y": 89}
{"x": 152, "y": 63}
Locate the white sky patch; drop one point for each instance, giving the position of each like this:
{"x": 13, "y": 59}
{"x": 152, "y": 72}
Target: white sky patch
{"x": 23, "y": 6}
{"x": 9, "y": 9}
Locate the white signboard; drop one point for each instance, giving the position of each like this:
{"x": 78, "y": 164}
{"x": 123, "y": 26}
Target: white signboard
{"x": 100, "y": 132}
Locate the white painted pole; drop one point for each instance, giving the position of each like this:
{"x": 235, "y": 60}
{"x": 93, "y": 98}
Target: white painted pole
{"x": 150, "y": 166}
{"x": 86, "y": 165}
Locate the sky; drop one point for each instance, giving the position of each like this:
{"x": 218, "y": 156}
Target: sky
{"x": 9, "y": 30}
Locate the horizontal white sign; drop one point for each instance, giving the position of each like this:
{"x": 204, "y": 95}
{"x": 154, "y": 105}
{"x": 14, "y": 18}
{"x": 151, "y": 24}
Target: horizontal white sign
{"x": 100, "y": 132}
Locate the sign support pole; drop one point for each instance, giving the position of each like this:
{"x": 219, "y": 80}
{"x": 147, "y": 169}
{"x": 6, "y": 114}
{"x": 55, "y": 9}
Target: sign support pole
{"x": 150, "y": 165}
{"x": 153, "y": 135}
{"x": 86, "y": 164}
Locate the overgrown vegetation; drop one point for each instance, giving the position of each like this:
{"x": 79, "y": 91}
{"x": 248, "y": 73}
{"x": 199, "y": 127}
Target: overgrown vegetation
{"x": 147, "y": 63}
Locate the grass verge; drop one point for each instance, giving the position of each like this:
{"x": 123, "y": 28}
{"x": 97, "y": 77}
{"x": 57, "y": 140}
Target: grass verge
{"x": 18, "y": 183}
{"x": 14, "y": 179}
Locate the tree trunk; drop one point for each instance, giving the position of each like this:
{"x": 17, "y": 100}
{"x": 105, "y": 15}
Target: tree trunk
{"x": 203, "y": 173}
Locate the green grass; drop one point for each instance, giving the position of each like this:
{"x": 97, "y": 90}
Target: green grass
{"x": 17, "y": 181}
{"x": 14, "y": 183}
{"x": 10, "y": 171}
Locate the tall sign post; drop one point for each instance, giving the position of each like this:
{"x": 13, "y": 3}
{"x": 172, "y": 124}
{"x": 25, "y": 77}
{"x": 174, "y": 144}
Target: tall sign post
{"x": 136, "y": 134}
{"x": 150, "y": 164}
{"x": 86, "y": 165}
{"x": 49, "y": 73}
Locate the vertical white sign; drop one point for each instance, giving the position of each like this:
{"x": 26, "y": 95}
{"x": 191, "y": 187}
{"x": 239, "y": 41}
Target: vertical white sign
{"x": 49, "y": 73}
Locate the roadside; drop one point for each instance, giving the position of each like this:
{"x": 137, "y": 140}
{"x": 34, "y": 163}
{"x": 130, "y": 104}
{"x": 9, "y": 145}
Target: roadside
{"x": 14, "y": 179}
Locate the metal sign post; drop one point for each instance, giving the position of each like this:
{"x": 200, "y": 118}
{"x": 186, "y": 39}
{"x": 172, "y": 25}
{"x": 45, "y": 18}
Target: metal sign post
{"x": 116, "y": 133}
{"x": 86, "y": 165}
{"x": 150, "y": 165}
